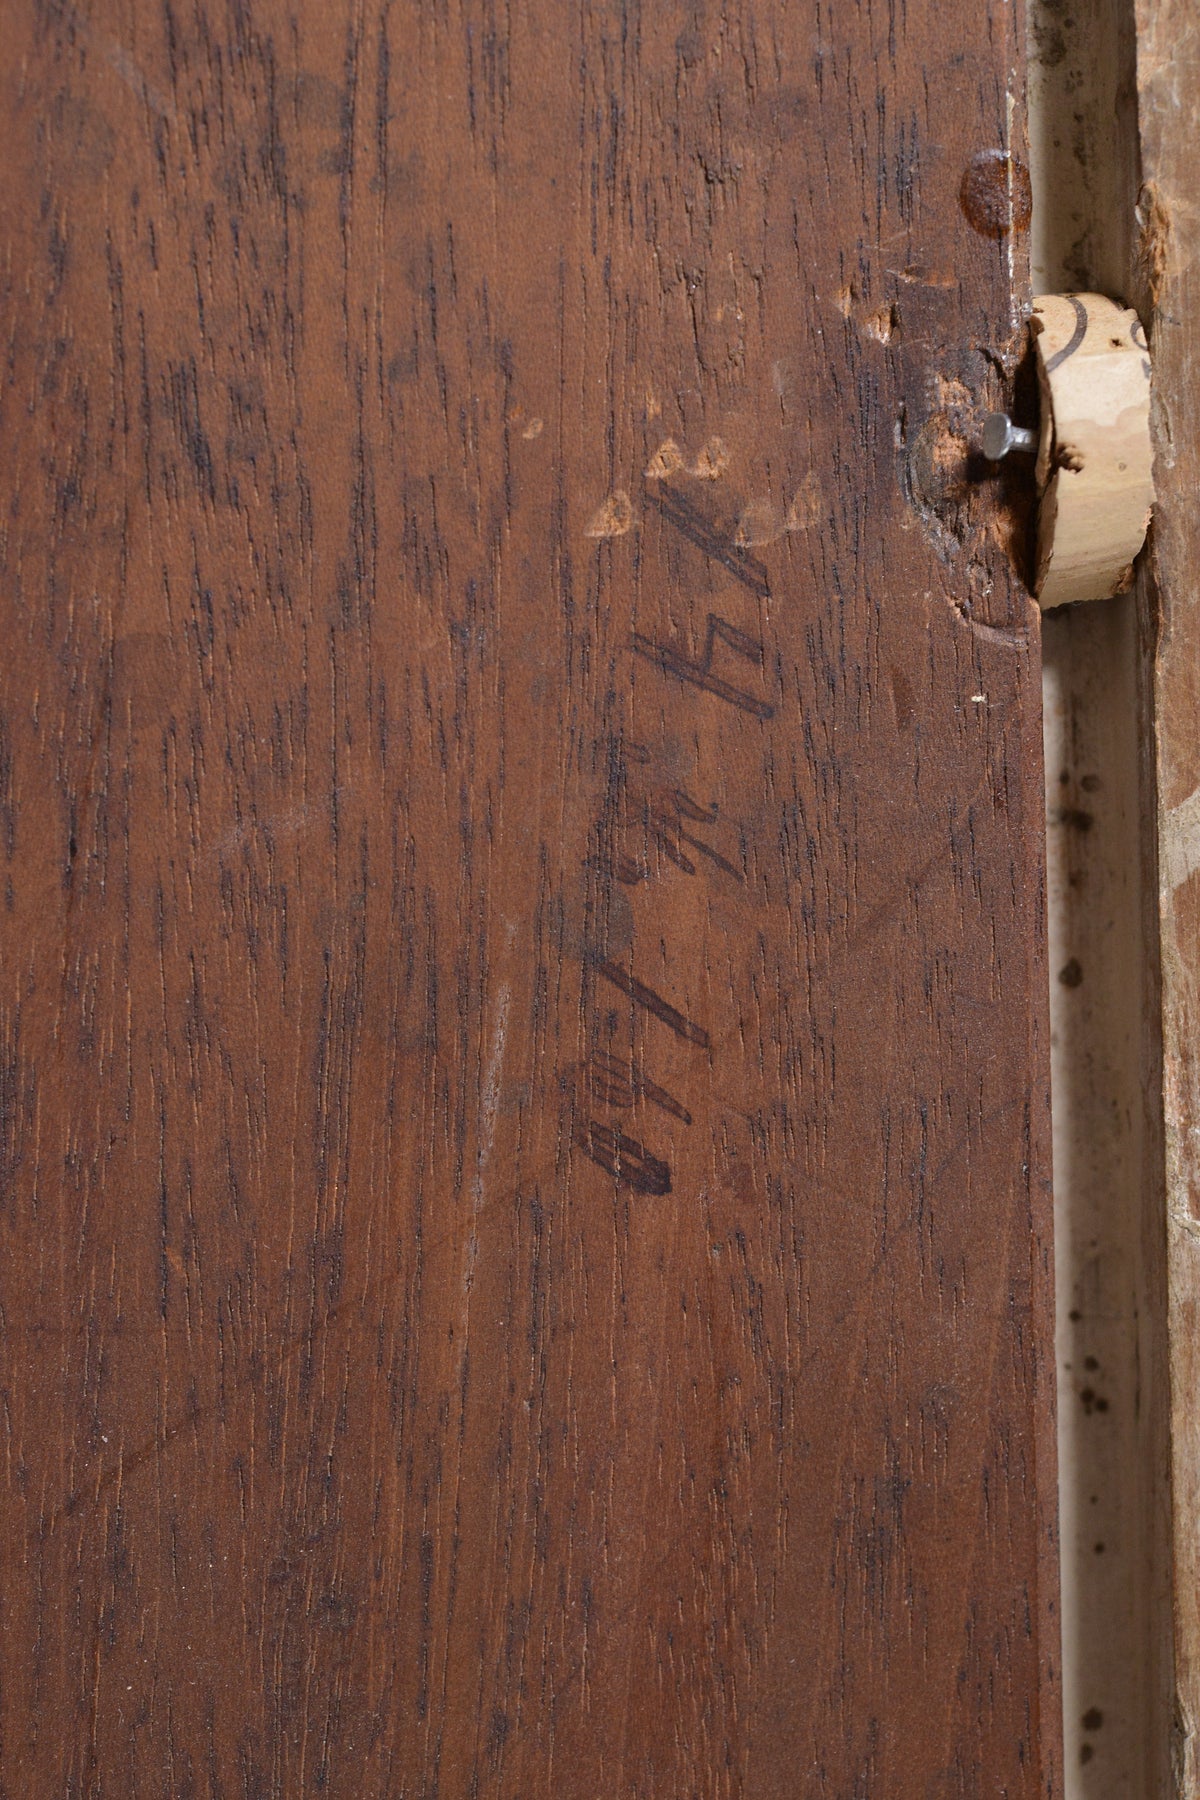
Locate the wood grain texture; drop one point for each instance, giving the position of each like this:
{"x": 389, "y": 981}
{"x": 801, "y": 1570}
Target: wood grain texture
{"x": 1168, "y": 62}
{"x": 525, "y": 1224}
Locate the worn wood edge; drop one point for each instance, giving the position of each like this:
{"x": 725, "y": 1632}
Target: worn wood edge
{"x": 1047, "y": 1612}
{"x": 1043, "y": 1290}
{"x": 1048, "y": 1616}
{"x": 1168, "y": 67}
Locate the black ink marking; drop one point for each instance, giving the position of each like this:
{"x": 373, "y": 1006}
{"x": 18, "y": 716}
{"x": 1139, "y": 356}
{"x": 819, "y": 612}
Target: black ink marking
{"x": 697, "y": 670}
{"x": 644, "y": 996}
{"x": 709, "y": 537}
{"x": 664, "y": 825}
{"x": 614, "y": 1082}
{"x": 1077, "y": 336}
{"x": 665, "y": 1102}
{"x": 623, "y": 1157}
{"x": 630, "y": 872}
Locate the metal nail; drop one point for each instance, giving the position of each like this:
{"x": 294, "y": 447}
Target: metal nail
{"x": 1000, "y": 436}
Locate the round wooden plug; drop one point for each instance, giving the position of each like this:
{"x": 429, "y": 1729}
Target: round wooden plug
{"x": 1094, "y": 467}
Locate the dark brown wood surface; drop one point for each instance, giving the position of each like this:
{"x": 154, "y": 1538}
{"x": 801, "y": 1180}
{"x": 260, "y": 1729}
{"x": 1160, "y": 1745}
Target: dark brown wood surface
{"x": 524, "y": 1229}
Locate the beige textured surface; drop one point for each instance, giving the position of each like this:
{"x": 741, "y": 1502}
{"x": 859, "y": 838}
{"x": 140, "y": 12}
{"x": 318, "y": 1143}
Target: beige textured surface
{"x": 1168, "y": 91}
{"x": 1094, "y": 461}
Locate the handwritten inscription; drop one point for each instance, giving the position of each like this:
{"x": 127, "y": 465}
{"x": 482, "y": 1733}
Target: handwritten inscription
{"x": 649, "y": 823}
{"x": 699, "y": 670}
{"x": 614, "y": 1081}
{"x": 654, "y": 1003}
{"x": 633, "y": 1165}
{"x": 712, "y": 538}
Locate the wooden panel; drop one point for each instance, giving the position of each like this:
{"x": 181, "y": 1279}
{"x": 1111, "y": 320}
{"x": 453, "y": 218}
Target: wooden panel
{"x": 1168, "y": 62}
{"x": 525, "y": 1248}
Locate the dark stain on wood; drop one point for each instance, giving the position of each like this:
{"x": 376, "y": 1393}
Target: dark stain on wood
{"x": 996, "y": 193}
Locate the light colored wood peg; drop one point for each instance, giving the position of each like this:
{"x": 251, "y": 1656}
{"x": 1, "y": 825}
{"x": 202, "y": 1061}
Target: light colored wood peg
{"x": 1094, "y": 467}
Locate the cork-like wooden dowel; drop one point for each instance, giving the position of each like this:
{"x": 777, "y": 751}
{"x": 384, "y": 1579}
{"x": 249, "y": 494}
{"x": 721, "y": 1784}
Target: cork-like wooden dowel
{"x": 1094, "y": 459}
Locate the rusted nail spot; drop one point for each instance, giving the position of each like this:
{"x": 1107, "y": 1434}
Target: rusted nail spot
{"x": 996, "y": 195}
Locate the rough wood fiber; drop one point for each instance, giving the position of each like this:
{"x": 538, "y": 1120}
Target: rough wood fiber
{"x": 1168, "y": 58}
{"x": 524, "y": 1235}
